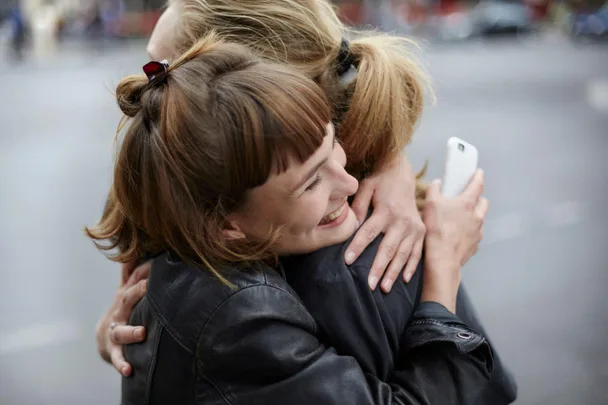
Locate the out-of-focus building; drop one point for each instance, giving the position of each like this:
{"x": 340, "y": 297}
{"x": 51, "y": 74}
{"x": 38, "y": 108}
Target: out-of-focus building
{"x": 47, "y": 19}
{"x": 139, "y": 17}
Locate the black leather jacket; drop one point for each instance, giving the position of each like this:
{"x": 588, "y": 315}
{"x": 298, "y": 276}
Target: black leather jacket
{"x": 339, "y": 298}
{"x": 256, "y": 343}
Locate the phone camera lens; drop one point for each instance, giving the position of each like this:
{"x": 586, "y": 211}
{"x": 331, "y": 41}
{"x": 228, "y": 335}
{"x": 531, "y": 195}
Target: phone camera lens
{"x": 461, "y": 147}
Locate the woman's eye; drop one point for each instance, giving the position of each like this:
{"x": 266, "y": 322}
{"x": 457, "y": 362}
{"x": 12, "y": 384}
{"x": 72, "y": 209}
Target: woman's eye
{"x": 314, "y": 184}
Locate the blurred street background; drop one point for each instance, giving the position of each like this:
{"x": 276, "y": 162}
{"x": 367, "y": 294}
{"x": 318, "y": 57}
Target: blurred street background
{"x": 526, "y": 82}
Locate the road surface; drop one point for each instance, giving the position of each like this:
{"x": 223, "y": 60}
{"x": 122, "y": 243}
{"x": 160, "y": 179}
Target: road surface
{"x": 537, "y": 111}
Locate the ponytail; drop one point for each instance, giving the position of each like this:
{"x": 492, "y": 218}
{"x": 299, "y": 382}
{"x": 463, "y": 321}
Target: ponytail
{"x": 385, "y": 102}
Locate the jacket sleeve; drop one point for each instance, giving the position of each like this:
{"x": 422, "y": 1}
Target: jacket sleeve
{"x": 260, "y": 347}
{"x": 442, "y": 359}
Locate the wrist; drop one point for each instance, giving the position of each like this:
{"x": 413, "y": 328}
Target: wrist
{"x": 445, "y": 298}
{"x": 441, "y": 283}
{"x": 442, "y": 269}
{"x": 406, "y": 167}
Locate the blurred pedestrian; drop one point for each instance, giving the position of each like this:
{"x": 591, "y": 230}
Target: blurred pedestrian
{"x": 110, "y": 14}
{"x": 18, "y": 31}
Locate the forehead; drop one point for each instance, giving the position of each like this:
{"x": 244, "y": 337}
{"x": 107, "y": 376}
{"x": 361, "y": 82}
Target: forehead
{"x": 162, "y": 42}
{"x": 285, "y": 181}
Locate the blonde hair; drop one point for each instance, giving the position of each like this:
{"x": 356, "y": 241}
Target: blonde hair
{"x": 375, "y": 114}
{"x": 195, "y": 142}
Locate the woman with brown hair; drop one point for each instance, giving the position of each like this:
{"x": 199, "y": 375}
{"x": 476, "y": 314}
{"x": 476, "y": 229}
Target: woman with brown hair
{"x": 228, "y": 162}
{"x": 376, "y": 92}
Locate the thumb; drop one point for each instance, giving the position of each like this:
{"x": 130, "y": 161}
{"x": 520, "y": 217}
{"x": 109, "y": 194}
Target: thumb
{"x": 434, "y": 189}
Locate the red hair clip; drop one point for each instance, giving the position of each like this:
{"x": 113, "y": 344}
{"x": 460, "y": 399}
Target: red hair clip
{"x": 155, "y": 70}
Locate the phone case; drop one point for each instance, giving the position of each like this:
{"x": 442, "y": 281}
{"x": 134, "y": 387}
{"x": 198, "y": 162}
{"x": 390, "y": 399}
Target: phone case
{"x": 460, "y": 165}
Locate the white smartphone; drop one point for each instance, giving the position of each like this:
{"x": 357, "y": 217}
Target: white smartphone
{"x": 460, "y": 165}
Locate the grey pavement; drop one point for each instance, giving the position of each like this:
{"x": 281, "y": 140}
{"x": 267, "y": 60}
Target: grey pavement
{"x": 536, "y": 110}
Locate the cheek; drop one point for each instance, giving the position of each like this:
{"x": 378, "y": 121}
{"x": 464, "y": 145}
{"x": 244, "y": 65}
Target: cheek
{"x": 297, "y": 217}
{"x": 306, "y": 214}
{"x": 260, "y": 214}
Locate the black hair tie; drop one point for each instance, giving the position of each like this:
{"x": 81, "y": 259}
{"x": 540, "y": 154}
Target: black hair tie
{"x": 345, "y": 58}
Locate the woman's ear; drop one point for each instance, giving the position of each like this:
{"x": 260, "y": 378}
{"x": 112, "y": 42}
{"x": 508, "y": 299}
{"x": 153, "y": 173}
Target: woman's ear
{"x": 231, "y": 230}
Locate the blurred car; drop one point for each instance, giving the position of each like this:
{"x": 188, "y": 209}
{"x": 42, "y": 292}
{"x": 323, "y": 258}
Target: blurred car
{"x": 488, "y": 17}
{"x": 502, "y": 16}
{"x": 590, "y": 24}
{"x": 455, "y": 26}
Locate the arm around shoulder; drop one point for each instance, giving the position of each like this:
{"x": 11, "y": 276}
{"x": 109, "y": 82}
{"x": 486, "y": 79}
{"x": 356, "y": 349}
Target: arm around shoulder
{"x": 260, "y": 347}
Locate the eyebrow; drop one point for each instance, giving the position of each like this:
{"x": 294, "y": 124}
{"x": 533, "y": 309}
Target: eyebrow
{"x": 312, "y": 171}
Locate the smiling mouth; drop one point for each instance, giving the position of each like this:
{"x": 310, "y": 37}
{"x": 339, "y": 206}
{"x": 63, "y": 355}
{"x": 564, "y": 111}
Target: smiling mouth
{"x": 334, "y": 215}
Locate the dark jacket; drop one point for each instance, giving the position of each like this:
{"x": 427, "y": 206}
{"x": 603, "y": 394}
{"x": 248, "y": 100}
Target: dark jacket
{"x": 339, "y": 298}
{"x": 257, "y": 344}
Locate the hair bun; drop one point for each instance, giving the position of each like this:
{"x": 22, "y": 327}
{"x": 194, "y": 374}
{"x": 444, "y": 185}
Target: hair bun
{"x": 129, "y": 93}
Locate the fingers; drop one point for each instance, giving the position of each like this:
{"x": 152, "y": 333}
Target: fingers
{"x": 475, "y": 188}
{"x": 393, "y": 248}
{"x": 412, "y": 261}
{"x": 127, "y": 334}
{"x": 119, "y": 362}
{"x": 480, "y": 212}
{"x": 142, "y": 272}
{"x": 396, "y": 266}
{"x": 481, "y": 208}
{"x": 362, "y": 201}
{"x": 125, "y": 271}
{"x": 119, "y": 336}
{"x": 364, "y": 236}
{"x": 128, "y": 297}
{"x": 434, "y": 190}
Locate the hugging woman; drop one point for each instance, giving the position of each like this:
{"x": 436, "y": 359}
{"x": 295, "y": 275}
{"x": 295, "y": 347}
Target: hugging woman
{"x": 229, "y": 167}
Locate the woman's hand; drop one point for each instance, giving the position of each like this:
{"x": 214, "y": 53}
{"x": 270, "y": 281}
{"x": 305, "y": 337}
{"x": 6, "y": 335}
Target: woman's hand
{"x": 111, "y": 330}
{"x": 392, "y": 195}
{"x": 454, "y": 230}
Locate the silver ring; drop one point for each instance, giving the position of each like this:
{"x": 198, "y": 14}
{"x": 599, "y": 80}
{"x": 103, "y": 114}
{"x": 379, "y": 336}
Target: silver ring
{"x": 113, "y": 325}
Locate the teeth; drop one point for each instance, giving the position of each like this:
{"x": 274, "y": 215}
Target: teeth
{"x": 332, "y": 216}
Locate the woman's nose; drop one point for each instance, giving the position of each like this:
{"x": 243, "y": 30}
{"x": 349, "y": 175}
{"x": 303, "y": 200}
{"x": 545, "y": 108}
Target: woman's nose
{"x": 345, "y": 185}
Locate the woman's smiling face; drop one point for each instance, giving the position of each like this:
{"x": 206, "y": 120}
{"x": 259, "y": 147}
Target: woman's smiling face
{"x": 308, "y": 202}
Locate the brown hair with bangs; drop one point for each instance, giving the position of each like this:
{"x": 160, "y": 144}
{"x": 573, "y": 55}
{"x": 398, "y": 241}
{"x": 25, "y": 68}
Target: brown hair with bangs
{"x": 195, "y": 142}
{"x": 375, "y": 111}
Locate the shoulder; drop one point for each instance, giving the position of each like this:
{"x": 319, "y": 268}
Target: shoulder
{"x": 185, "y": 298}
{"x": 327, "y": 266}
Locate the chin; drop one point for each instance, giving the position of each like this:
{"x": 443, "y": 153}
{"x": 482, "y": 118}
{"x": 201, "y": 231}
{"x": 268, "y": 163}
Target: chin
{"x": 320, "y": 238}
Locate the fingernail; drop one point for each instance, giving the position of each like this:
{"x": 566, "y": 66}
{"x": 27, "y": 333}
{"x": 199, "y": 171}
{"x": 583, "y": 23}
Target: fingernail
{"x": 350, "y": 257}
{"x": 139, "y": 333}
{"x": 408, "y": 277}
{"x": 386, "y": 286}
{"x": 144, "y": 285}
{"x": 373, "y": 281}
{"x": 123, "y": 371}
{"x": 358, "y": 224}
{"x": 436, "y": 181}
